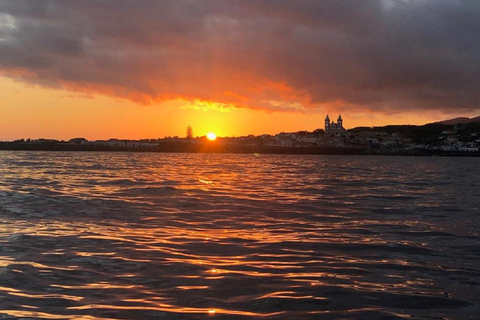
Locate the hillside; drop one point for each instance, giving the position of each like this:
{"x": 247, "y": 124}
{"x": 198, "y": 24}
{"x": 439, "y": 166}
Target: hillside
{"x": 465, "y": 129}
{"x": 459, "y": 120}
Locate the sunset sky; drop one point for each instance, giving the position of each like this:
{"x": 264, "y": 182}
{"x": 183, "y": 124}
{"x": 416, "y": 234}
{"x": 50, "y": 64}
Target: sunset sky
{"x": 146, "y": 69}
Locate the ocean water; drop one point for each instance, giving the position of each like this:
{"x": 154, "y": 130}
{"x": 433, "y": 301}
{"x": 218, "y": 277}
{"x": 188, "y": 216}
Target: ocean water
{"x": 218, "y": 236}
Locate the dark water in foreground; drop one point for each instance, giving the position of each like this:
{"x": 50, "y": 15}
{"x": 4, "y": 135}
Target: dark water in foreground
{"x": 204, "y": 236}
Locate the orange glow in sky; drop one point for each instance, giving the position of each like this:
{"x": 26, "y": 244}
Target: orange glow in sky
{"x": 29, "y": 111}
{"x": 118, "y": 69}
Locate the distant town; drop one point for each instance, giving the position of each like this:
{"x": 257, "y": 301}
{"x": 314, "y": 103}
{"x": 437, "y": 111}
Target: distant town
{"x": 460, "y": 136}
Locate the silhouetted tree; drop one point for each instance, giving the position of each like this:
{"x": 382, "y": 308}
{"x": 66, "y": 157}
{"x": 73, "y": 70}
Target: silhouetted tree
{"x": 189, "y": 132}
{"x": 318, "y": 131}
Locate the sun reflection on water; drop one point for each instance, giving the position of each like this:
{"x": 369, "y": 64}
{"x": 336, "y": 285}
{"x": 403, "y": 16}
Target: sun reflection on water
{"x": 224, "y": 235}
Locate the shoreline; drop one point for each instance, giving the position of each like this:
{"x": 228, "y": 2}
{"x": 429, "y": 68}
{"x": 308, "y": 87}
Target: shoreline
{"x": 234, "y": 149}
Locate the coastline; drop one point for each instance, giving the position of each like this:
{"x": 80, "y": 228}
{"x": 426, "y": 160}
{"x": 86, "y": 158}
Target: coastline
{"x": 234, "y": 149}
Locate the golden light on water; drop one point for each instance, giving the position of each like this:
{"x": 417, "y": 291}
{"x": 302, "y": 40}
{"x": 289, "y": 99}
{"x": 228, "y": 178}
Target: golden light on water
{"x": 223, "y": 236}
{"x": 211, "y": 136}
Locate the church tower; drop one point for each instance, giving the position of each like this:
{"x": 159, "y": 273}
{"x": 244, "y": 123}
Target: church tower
{"x": 327, "y": 124}
{"x": 334, "y": 128}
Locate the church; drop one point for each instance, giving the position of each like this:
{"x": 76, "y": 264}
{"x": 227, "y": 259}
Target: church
{"x": 332, "y": 128}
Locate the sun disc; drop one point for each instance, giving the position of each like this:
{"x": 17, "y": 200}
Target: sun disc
{"x": 211, "y": 136}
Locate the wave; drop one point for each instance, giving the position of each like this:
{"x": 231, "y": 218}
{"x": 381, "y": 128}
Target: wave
{"x": 179, "y": 236}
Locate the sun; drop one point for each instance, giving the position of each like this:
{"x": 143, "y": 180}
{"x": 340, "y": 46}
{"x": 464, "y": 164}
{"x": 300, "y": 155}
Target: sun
{"x": 211, "y": 136}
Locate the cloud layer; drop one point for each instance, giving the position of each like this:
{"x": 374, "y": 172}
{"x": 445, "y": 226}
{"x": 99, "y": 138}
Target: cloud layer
{"x": 383, "y": 55}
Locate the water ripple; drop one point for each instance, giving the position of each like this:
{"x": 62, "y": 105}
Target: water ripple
{"x": 197, "y": 236}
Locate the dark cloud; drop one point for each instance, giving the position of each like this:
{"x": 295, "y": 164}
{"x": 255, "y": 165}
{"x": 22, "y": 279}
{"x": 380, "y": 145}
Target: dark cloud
{"x": 389, "y": 55}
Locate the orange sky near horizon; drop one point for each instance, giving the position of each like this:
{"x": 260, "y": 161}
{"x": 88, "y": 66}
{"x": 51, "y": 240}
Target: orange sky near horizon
{"x": 148, "y": 69}
{"x": 31, "y": 111}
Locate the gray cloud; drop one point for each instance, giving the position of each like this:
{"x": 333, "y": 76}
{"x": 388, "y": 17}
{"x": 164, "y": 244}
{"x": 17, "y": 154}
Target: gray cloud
{"x": 385, "y": 55}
